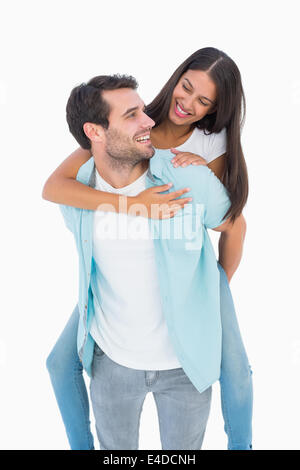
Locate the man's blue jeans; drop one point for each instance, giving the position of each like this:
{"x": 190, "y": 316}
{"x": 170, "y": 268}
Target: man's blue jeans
{"x": 236, "y": 380}
{"x": 118, "y": 394}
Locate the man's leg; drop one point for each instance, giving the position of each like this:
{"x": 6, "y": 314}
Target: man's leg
{"x": 182, "y": 411}
{"x": 117, "y": 395}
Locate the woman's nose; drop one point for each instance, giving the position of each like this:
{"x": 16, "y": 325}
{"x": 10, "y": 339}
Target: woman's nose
{"x": 188, "y": 105}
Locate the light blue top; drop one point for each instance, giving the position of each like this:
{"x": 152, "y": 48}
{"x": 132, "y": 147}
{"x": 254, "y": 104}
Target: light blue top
{"x": 186, "y": 266}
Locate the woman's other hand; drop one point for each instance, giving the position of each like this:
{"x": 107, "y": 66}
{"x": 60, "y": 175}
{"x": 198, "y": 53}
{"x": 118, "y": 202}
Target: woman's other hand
{"x": 186, "y": 158}
{"x": 160, "y": 206}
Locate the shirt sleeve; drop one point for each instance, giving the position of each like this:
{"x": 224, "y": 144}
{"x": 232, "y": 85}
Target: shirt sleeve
{"x": 69, "y": 214}
{"x": 217, "y": 202}
{"x": 216, "y": 145}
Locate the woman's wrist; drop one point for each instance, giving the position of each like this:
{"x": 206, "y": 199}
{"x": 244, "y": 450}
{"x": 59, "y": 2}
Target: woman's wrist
{"x": 125, "y": 203}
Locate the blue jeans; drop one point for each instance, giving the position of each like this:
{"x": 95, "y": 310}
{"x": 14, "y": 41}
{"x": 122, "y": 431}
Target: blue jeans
{"x": 65, "y": 371}
{"x": 118, "y": 394}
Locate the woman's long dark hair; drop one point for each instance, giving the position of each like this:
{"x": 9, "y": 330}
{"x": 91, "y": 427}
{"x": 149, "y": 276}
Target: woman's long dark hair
{"x": 229, "y": 113}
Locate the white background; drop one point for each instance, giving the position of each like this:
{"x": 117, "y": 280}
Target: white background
{"x": 49, "y": 47}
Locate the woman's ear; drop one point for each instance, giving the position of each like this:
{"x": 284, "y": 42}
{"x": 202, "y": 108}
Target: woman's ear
{"x": 93, "y": 131}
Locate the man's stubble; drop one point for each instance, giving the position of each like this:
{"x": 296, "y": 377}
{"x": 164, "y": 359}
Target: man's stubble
{"x": 122, "y": 152}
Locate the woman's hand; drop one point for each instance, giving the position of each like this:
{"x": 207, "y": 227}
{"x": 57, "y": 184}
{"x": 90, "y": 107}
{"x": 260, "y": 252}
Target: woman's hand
{"x": 159, "y": 206}
{"x": 186, "y": 158}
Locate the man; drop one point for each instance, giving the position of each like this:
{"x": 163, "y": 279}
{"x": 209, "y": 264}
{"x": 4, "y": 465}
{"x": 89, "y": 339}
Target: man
{"x": 148, "y": 302}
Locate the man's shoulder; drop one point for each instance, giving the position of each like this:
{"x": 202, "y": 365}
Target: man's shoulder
{"x": 85, "y": 171}
{"x": 197, "y": 177}
{"x": 204, "y": 184}
{"x": 72, "y": 214}
{"x": 193, "y": 173}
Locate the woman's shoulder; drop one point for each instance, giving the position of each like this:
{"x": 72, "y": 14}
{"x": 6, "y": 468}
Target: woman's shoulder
{"x": 212, "y": 145}
{"x": 203, "y": 135}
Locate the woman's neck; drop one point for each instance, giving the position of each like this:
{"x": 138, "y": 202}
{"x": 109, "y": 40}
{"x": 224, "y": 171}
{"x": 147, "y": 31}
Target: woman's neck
{"x": 168, "y": 135}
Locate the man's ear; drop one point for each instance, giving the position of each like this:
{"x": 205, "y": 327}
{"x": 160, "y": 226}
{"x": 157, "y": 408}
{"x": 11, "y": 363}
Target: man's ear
{"x": 94, "y": 132}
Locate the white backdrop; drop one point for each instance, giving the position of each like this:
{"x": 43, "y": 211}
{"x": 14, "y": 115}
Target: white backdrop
{"x": 49, "y": 47}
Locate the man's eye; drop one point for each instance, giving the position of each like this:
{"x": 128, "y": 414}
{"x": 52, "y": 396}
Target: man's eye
{"x": 131, "y": 115}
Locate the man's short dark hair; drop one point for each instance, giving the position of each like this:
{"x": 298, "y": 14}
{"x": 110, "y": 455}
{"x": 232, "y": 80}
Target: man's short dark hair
{"x": 86, "y": 104}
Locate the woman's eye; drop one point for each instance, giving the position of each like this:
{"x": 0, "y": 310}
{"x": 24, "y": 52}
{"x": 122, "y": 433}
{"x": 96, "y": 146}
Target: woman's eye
{"x": 186, "y": 89}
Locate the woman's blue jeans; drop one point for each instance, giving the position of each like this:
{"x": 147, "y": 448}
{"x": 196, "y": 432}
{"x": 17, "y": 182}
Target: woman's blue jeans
{"x": 66, "y": 375}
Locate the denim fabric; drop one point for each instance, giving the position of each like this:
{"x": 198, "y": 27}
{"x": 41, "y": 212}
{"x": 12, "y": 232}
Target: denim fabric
{"x": 65, "y": 371}
{"x": 236, "y": 375}
{"x": 187, "y": 271}
{"x": 118, "y": 394}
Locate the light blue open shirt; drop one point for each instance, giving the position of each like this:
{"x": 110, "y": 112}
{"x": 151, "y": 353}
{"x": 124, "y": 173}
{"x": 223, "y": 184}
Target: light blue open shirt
{"x": 186, "y": 266}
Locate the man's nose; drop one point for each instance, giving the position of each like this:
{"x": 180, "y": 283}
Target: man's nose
{"x": 148, "y": 122}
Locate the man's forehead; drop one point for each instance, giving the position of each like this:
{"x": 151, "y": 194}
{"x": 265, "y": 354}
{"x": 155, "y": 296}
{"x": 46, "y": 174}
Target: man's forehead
{"x": 122, "y": 100}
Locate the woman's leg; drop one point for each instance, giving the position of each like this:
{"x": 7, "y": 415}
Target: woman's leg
{"x": 235, "y": 379}
{"x": 66, "y": 375}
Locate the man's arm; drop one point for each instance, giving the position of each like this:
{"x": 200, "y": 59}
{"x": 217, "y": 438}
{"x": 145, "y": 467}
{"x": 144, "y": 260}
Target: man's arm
{"x": 231, "y": 244}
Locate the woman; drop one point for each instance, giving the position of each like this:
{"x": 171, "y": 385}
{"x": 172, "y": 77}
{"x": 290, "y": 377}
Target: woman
{"x": 197, "y": 115}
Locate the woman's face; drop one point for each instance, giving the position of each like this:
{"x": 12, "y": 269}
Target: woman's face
{"x": 193, "y": 97}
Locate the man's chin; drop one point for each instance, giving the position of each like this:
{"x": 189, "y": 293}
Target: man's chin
{"x": 151, "y": 154}
{"x": 148, "y": 151}
{"x": 151, "y": 151}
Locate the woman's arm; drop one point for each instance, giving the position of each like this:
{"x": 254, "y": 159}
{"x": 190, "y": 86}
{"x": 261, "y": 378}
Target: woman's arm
{"x": 232, "y": 235}
{"x": 231, "y": 244}
{"x": 63, "y": 188}
{"x": 218, "y": 166}
{"x": 231, "y": 241}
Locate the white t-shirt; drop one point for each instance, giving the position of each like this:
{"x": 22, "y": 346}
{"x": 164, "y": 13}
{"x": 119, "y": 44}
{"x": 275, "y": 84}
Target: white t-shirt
{"x": 128, "y": 325}
{"x": 207, "y": 146}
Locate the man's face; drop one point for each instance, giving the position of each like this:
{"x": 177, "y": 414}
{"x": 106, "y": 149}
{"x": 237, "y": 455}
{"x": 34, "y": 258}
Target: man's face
{"x": 128, "y": 135}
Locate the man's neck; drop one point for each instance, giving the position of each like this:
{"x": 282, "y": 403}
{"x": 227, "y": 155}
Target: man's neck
{"x": 121, "y": 175}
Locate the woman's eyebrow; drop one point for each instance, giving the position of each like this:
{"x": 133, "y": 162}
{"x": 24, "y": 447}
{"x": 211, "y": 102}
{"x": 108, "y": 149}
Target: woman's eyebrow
{"x": 193, "y": 88}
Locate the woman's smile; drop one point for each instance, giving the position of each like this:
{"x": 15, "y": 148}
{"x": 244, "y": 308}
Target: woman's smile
{"x": 180, "y": 111}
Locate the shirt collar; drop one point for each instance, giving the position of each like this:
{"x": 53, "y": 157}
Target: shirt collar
{"x": 87, "y": 172}
{"x": 157, "y": 161}
{"x": 155, "y": 169}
